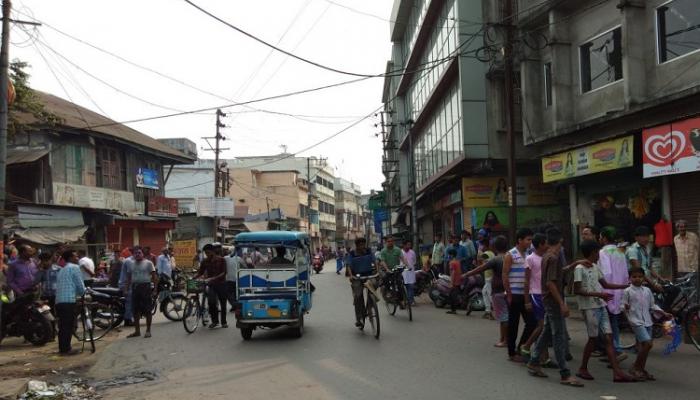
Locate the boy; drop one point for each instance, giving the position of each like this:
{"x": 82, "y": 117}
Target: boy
{"x": 588, "y": 286}
{"x": 514, "y": 278}
{"x": 533, "y": 288}
{"x": 455, "y": 279}
{"x": 638, "y": 303}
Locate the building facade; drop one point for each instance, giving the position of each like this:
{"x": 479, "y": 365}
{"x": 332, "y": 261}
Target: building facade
{"x": 89, "y": 181}
{"x": 610, "y": 94}
{"x": 350, "y": 218}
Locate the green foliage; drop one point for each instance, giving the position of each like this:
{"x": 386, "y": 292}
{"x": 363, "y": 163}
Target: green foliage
{"x": 27, "y": 101}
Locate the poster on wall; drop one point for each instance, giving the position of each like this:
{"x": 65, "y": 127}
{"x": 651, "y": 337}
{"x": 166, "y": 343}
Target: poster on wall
{"x": 65, "y": 194}
{"x": 599, "y": 157}
{"x": 493, "y": 191}
{"x": 184, "y": 252}
{"x": 147, "y": 178}
{"x": 672, "y": 148}
{"x": 496, "y": 218}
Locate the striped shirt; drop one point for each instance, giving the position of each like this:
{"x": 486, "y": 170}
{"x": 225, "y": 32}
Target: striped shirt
{"x": 516, "y": 276}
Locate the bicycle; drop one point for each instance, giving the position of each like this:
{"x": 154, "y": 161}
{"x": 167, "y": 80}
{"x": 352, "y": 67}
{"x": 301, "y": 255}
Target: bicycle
{"x": 395, "y": 293}
{"x": 371, "y": 310}
{"x": 196, "y": 310}
{"x": 93, "y": 319}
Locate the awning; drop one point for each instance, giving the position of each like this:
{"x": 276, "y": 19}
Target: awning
{"x": 25, "y": 156}
{"x": 49, "y": 236}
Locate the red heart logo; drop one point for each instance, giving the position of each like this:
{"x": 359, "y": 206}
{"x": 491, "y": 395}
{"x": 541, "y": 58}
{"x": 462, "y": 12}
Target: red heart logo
{"x": 664, "y": 148}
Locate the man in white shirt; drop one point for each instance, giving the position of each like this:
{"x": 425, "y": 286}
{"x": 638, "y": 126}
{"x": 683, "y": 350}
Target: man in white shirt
{"x": 234, "y": 262}
{"x": 687, "y": 249}
{"x": 87, "y": 266}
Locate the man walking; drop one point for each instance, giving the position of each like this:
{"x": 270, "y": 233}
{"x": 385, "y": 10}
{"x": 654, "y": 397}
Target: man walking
{"x": 69, "y": 285}
{"x": 409, "y": 274}
{"x": 613, "y": 264}
{"x": 438, "y": 254}
{"x": 213, "y": 269}
{"x": 142, "y": 279}
{"x": 687, "y": 249}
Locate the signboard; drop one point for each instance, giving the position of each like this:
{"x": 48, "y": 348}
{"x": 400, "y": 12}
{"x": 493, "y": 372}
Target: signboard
{"x": 65, "y": 194}
{"x": 599, "y": 157}
{"x": 215, "y": 207}
{"x": 147, "y": 178}
{"x": 184, "y": 252}
{"x": 377, "y": 201}
{"x": 672, "y": 148}
{"x": 493, "y": 192}
{"x": 159, "y": 206}
{"x": 496, "y": 218}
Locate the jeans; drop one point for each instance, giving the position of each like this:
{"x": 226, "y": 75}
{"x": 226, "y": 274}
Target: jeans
{"x": 516, "y": 309}
{"x": 486, "y": 293}
{"x": 231, "y": 292}
{"x": 615, "y": 325}
{"x": 338, "y": 265}
{"x": 217, "y": 291}
{"x": 128, "y": 308}
{"x": 555, "y": 332}
{"x": 454, "y": 298}
{"x": 358, "y": 299}
{"x": 409, "y": 291}
{"x": 65, "y": 312}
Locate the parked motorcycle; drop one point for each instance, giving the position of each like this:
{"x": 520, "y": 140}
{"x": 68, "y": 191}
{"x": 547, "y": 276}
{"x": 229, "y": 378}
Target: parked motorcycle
{"x": 424, "y": 281}
{"x": 469, "y": 298}
{"x": 171, "y": 304}
{"x": 317, "y": 264}
{"x": 26, "y": 318}
{"x": 114, "y": 301}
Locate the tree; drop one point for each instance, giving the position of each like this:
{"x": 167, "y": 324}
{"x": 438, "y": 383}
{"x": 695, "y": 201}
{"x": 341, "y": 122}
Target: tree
{"x": 26, "y": 102}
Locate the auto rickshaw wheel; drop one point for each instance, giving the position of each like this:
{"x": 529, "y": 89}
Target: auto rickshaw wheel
{"x": 299, "y": 330}
{"x": 247, "y": 333}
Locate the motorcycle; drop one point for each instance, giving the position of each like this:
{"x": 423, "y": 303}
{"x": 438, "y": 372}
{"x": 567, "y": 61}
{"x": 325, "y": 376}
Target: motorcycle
{"x": 172, "y": 304}
{"x": 26, "y": 318}
{"x": 424, "y": 280}
{"x": 469, "y": 298}
{"x": 114, "y": 301}
{"x": 317, "y": 264}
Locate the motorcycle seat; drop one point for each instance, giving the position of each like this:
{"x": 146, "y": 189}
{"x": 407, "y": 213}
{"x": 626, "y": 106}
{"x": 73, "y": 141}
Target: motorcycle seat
{"x": 112, "y": 291}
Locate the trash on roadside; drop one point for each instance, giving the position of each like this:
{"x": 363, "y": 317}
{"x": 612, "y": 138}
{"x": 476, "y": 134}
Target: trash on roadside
{"x": 71, "y": 390}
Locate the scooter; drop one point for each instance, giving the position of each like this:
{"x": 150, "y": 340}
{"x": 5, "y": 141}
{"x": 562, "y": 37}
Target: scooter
{"x": 317, "y": 264}
{"x": 26, "y": 318}
{"x": 469, "y": 298}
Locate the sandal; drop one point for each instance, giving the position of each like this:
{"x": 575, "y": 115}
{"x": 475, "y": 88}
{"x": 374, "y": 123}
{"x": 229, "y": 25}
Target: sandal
{"x": 536, "y": 372}
{"x": 648, "y": 376}
{"x": 134, "y": 335}
{"x": 550, "y": 364}
{"x": 500, "y": 344}
{"x": 571, "y": 382}
{"x": 637, "y": 375}
{"x": 147, "y": 335}
{"x": 585, "y": 375}
{"x": 625, "y": 379}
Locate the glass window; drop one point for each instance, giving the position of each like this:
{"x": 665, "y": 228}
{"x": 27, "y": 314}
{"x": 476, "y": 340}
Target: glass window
{"x": 678, "y": 24}
{"x": 601, "y": 60}
{"x": 547, "y": 84}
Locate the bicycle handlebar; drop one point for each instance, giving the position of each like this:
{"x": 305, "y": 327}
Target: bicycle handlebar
{"x": 367, "y": 277}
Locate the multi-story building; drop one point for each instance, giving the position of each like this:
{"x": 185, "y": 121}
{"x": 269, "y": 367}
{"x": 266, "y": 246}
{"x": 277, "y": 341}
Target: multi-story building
{"x": 349, "y": 214}
{"x": 89, "y": 181}
{"x": 611, "y": 91}
{"x": 445, "y": 127}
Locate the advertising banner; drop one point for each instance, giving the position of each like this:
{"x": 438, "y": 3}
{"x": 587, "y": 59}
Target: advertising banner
{"x": 65, "y": 194}
{"x": 672, "y": 148}
{"x": 184, "y": 252}
{"x": 493, "y": 192}
{"x": 147, "y": 178}
{"x": 599, "y": 157}
{"x": 496, "y": 218}
{"x": 159, "y": 206}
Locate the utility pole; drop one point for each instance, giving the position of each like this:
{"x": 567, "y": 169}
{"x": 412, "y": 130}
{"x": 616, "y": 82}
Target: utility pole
{"x": 219, "y": 186}
{"x": 387, "y": 189}
{"x": 4, "y": 104}
{"x": 510, "y": 115}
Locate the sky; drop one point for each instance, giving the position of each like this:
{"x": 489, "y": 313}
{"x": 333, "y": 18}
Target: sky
{"x": 220, "y": 66}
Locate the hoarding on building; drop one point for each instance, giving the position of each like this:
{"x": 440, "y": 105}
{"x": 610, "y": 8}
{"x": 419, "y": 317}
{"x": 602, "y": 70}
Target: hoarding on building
{"x": 493, "y": 192}
{"x": 159, "y": 206}
{"x": 672, "y": 148}
{"x": 65, "y": 194}
{"x": 147, "y": 178}
{"x": 184, "y": 252}
{"x": 599, "y": 157}
{"x": 215, "y": 207}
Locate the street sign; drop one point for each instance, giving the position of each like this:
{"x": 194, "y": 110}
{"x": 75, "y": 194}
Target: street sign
{"x": 376, "y": 202}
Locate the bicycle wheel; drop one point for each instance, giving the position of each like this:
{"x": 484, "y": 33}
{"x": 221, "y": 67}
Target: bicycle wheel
{"x": 191, "y": 315}
{"x": 692, "y": 325}
{"x": 373, "y": 314}
{"x": 408, "y": 303}
{"x": 93, "y": 321}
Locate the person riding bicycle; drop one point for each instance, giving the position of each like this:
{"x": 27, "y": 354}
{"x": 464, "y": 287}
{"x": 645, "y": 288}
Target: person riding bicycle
{"x": 390, "y": 256}
{"x": 361, "y": 262}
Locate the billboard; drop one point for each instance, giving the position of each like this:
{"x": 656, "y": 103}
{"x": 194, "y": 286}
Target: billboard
{"x": 147, "y": 178}
{"x": 215, "y": 207}
{"x": 493, "y": 192}
{"x": 672, "y": 148}
{"x": 599, "y": 157}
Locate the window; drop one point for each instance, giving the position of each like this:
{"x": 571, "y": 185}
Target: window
{"x": 111, "y": 172}
{"x": 548, "y": 84}
{"x": 678, "y": 28}
{"x": 601, "y": 60}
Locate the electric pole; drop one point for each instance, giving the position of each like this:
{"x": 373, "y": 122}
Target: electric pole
{"x": 510, "y": 115}
{"x": 220, "y": 187}
{"x": 4, "y": 104}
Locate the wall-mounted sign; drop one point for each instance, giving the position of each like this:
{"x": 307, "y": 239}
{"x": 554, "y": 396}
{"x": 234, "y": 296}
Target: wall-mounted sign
{"x": 493, "y": 191}
{"x": 159, "y": 206}
{"x": 65, "y": 194}
{"x": 215, "y": 207}
{"x": 599, "y": 157}
{"x": 672, "y": 148}
{"x": 147, "y": 178}
{"x": 184, "y": 252}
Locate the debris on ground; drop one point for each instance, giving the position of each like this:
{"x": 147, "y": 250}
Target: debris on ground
{"x": 81, "y": 389}
{"x": 138, "y": 377}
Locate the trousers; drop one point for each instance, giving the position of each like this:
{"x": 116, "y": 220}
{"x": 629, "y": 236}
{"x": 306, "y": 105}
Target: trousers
{"x": 516, "y": 310}
{"x": 65, "y": 312}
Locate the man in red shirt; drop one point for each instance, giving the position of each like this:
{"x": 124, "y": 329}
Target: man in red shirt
{"x": 213, "y": 269}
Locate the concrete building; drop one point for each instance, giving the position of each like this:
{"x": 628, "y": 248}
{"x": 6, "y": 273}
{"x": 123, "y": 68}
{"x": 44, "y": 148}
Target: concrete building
{"x": 611, "y": 94}
{"x": 444, "y": 121}
{"x": 187, "y": 183}
{"x": 350, "y": 219}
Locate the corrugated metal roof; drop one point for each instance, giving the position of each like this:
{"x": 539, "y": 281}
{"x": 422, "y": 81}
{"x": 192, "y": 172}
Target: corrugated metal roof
{"x": 77, "y": 117}
{"x": 25, "y": 156}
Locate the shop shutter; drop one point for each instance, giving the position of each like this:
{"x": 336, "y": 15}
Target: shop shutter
{"x": 685, "y": 199}
{"x": 127, "y": 239}
{"x": 153, "y": 238}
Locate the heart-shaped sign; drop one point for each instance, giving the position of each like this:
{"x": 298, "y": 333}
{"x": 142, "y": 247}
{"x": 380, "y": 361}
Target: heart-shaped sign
{"x": 664, "y": 148}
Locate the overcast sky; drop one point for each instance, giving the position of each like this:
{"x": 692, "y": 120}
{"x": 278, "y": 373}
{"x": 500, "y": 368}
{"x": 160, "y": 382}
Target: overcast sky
{"x": 177, "y": 40}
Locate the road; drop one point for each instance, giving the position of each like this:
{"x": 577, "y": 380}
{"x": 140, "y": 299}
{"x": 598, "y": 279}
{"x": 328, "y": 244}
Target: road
{"x": 435, "y": 356}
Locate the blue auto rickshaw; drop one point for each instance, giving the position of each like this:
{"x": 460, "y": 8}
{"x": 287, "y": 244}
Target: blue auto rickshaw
{"x": 277, "y": 291}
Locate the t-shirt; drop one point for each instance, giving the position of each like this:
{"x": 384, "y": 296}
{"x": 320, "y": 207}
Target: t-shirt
{"x": 141, "y": 271}
{"x": 233, "y": 264}
{"x": 212, "y": 267}
{"x": 551, "y": 271}
{"x": 641, "y": 303}
{"x": 455, "y": 273}
{"x": 516, "y": 275}
{"x": 533, "y": 262}
{"x": 487, "y": 255}
{"x": 361, "y": 264}
{"x": 86, "y": 263}
{"x": 639, "y": 253}
{"x": 495, "y": 264}
{"x": 392, "y": 257}
{"x": 590, "y": 282}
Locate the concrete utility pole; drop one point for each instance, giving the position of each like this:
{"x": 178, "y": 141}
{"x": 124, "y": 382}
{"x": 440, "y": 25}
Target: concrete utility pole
{"x": 510, "y": 116}
{"x": 4, "y": 104}
{"x": 218, "y": 174}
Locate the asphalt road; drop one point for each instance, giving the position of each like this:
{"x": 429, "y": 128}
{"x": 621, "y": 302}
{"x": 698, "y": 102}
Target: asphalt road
{"x": 437, "y": 356}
